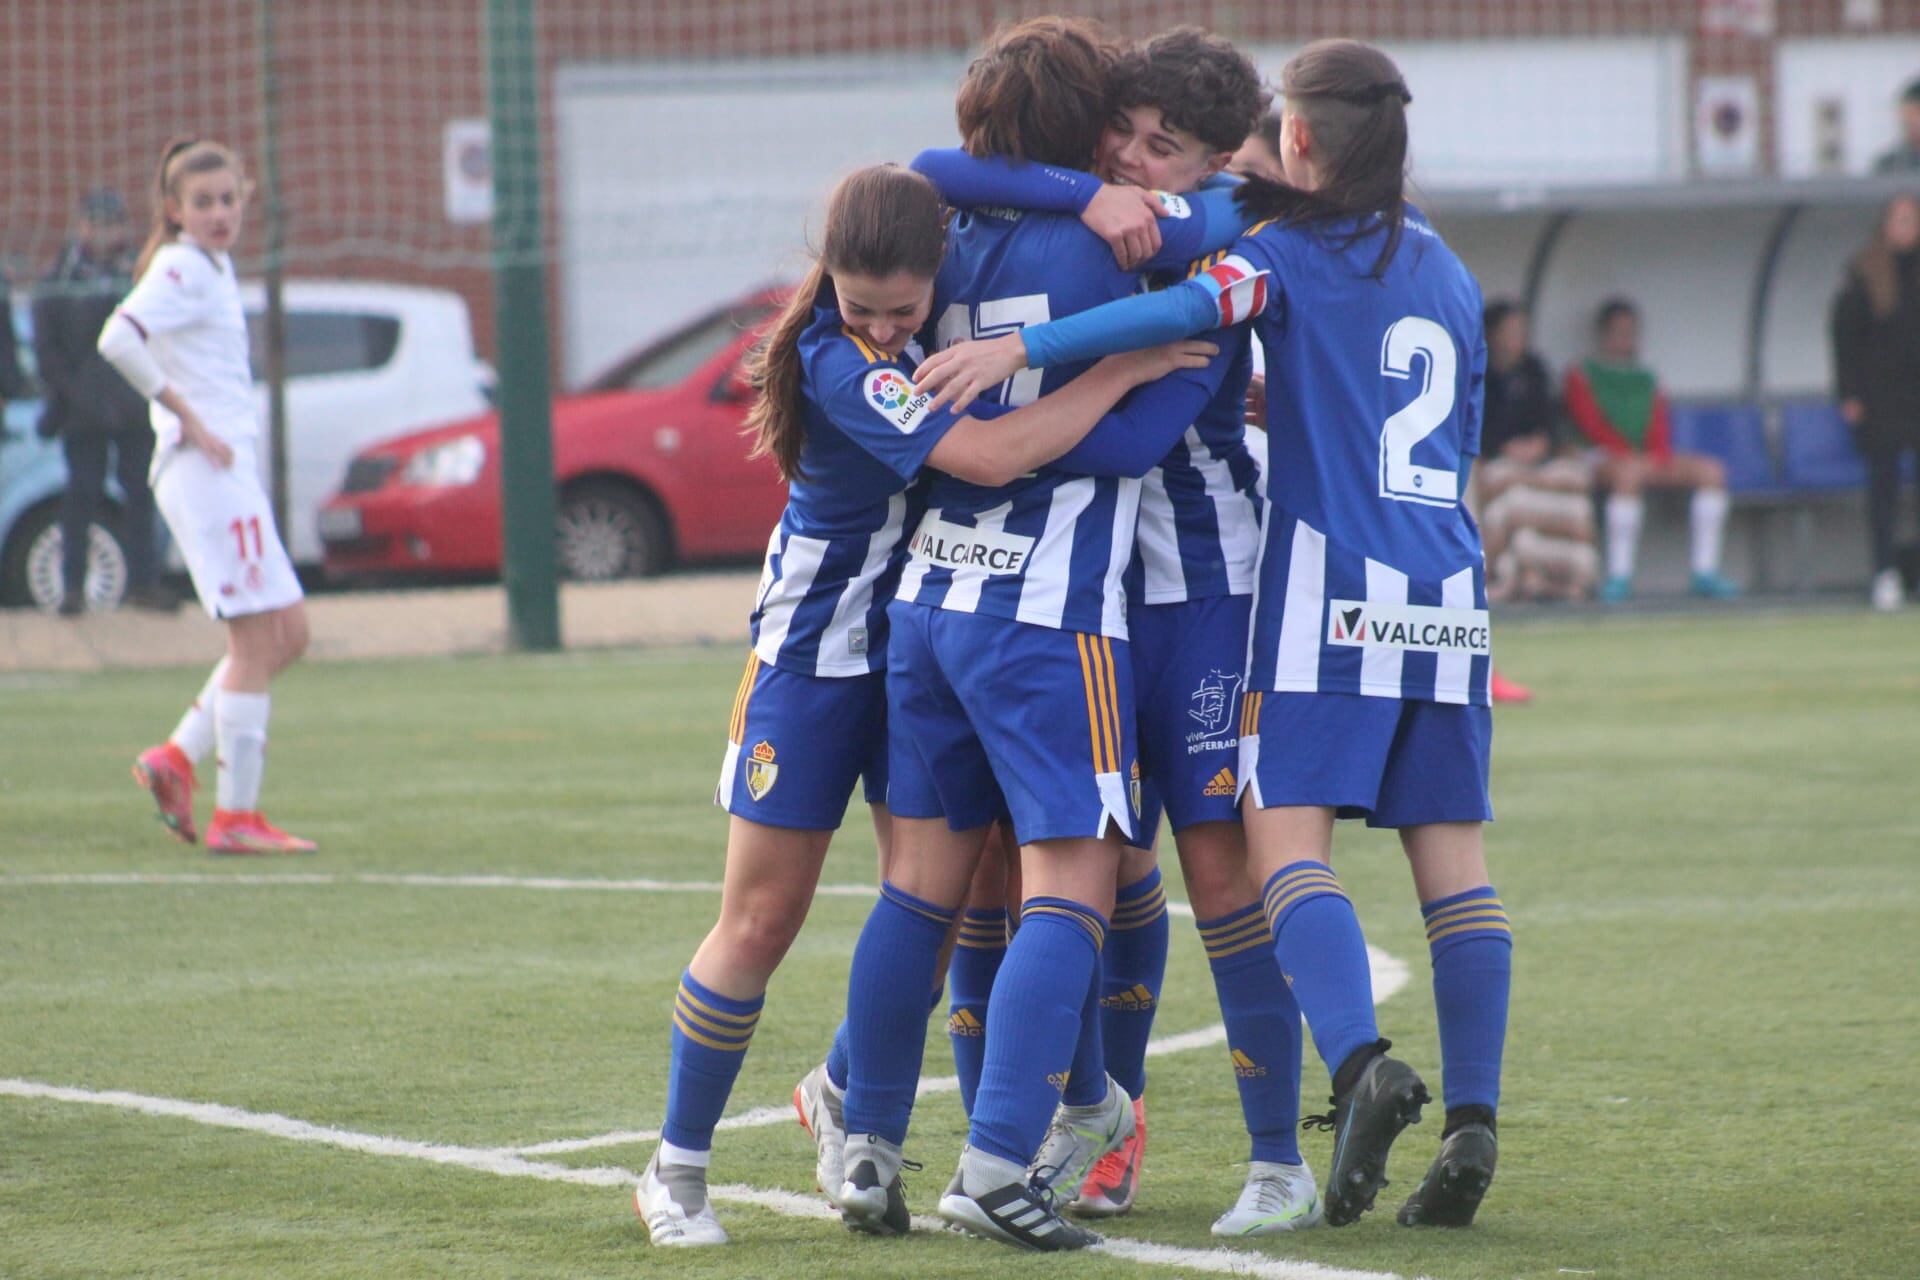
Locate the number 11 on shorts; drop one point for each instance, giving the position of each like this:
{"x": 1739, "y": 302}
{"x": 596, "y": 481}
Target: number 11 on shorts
{"x": 239, "y": 530}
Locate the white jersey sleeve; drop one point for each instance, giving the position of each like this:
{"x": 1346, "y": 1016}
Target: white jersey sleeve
{"x": 176, "y": 292}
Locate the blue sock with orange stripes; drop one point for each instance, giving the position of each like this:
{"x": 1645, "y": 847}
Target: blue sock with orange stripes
{"x": 1263, "y": 1030}
{"x": 1087, "y": 1077}
{"x": 1032, "y": 1025}
{"x": 837, "y": 1052}
{"x": 893, "y": 968}
{"x": 1134, "y": 964}
{"x": 1472, "y": 947}
{"x": 977, "y": 954}
{"x": 1317, "y": 940}
{"x": 710, "y": 1037}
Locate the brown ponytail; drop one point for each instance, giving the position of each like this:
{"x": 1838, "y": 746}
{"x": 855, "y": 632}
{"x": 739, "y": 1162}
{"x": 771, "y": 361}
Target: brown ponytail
{"x": 881, "y": 221}
{"x": 1354, "y": 99}
{"x": 181, "y": 157}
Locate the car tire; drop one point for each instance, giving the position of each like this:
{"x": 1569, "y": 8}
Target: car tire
{"x": 30, "y": 574}
{"x": 605, "y": 531}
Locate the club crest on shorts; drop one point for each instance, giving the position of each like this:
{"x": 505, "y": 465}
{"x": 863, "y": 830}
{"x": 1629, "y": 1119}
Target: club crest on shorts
{"x": 1133, "y": 789}
{"x": 1212, "y": 704}
{"x": 762, "y": 772}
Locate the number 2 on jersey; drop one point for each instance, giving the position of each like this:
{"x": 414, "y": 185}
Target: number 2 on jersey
{"x": 239, "y": 528}
{"x": 1401, "y": 479}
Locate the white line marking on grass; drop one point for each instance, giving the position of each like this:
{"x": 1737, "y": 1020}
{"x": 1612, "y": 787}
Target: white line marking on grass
{"x": 1389, "y": 976}
{"x": 791, "y": 1204}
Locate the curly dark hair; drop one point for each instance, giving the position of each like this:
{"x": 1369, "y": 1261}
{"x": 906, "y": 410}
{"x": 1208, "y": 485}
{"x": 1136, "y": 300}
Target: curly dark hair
{"x": 1199, "y": 82}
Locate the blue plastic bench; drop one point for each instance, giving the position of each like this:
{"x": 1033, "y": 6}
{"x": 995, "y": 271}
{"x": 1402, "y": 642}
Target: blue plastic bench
{"x": 1816, "y": 448}
{"x": 1736, "y": 434}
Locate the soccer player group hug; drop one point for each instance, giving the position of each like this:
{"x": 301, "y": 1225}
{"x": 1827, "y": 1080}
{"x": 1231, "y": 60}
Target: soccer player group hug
{"x": 1037, "y": 584}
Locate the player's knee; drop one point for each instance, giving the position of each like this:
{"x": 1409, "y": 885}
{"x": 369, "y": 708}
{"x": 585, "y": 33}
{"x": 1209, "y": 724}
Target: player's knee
{"x": 757, "y": 934}
{"x": 294, "y": 635}
{"x": 1626, "y": 477}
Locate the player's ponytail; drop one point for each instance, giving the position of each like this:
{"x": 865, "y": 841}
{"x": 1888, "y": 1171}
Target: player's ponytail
{"x": 180, "y": 158}
{"x": 1354, "y": 100}
{"x": 881, "y": 221}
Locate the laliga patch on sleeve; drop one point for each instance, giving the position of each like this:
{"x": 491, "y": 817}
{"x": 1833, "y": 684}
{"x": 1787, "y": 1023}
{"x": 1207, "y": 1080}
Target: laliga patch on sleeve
{"x": 1176, "y": 206}
{"x": 894, "y": 398}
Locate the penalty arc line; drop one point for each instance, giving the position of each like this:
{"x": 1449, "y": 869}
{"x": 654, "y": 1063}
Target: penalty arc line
{"x": 791, "y": 1204}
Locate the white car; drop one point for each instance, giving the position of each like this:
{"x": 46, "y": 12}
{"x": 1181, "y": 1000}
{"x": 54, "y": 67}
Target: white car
{"x": 365, "y": 362}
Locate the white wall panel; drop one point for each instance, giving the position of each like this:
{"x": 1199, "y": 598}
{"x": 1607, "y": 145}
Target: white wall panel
{"x": 1866, "y": 75}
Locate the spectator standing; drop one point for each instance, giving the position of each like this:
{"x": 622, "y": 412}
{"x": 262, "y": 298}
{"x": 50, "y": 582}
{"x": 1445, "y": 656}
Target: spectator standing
{"x": 1904, "y": 156}
{"x": 90, "y": 407}
{"x": 1617, "y": 403}
{"x": 1876, "y": 361}
{"x": 1531, "y": 493}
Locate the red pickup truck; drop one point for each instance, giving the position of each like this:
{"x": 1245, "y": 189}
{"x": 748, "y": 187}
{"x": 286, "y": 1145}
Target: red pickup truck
{"x": 649, "y": 458}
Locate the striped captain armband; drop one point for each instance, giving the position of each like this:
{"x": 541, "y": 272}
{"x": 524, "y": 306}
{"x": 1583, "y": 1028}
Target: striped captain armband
{"x": 1237, "y": 287}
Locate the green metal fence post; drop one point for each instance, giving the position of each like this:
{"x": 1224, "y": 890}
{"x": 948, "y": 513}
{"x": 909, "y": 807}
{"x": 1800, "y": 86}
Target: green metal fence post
{"x": 520, "y": 295}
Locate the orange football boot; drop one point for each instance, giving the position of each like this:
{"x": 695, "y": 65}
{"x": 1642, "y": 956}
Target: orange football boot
{"x": 166, "y": 774}
{"x": 248, "y": 832}
{"x": 1114, "y": 1179}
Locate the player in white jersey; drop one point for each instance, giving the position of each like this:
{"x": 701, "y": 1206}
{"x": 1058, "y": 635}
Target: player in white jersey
{"x": 837, "y": 414}
{"x": 180, "y": 338}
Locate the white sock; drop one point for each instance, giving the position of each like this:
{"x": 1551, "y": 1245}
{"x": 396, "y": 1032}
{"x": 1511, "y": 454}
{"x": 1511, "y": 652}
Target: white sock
{"x": 981, "y": 1172}
{"x": 240, "y": 726}
{"x": 1623, "y": 533}
{"x": 1707, "y": 514}
{"x": 670, "y": 1154}
{"x": 194, "y": 734}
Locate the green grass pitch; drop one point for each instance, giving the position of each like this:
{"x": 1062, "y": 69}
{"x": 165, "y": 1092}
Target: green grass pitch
{"x": 1708, "y": 844}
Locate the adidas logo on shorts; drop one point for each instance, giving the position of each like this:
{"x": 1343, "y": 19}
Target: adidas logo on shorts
{"x": 1222, "y": 784}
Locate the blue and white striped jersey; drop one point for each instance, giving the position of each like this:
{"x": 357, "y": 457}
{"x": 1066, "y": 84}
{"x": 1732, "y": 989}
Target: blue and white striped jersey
{"x": 1050, "y": 548}
{"x": 1371, "y": 575}
{"x": 1199, "y": 529}
{"x": 835, "y": 556}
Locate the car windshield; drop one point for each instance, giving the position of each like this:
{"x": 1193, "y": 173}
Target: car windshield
{"x": 672, "y": 359}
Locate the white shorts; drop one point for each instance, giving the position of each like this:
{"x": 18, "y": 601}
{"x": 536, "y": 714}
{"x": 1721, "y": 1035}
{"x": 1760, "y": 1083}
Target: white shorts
{"x": 223, "y": 522}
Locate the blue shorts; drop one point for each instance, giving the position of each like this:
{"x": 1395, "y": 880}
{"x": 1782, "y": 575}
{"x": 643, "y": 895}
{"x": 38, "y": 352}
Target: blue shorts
{"x": 991, "y": 718}
{"x": 1394, "y": 762}
{"x": 797, "y": 743}
{"x": 1187, "y": 663}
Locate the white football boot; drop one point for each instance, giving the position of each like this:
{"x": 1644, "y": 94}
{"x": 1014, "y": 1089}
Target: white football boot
{"x": 1078, "y": 1138}
{"x": 818, "y": 1104}
{"x": 873, "y": 1199}
{"x": 1277, "y": 1197}
{"x": 672, "y": 1201}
